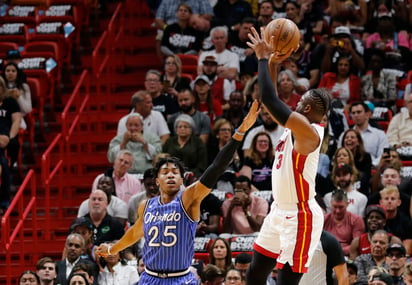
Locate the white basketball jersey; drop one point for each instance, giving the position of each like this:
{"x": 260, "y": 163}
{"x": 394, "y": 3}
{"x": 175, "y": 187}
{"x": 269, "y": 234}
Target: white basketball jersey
{"x": 293, "y": 174}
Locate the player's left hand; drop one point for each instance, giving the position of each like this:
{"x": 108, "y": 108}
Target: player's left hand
{"x": 102, "y": 250}
{"x": 250, "y": 118}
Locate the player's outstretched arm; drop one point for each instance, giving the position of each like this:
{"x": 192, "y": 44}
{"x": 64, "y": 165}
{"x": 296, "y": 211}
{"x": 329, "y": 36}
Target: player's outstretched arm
{"x": 132, "y": 235}
{"x": 195, "y": 193}
{"x": 306, "y": 138}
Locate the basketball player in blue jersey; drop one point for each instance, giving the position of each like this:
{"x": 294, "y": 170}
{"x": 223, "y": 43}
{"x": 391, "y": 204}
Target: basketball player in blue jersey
{"x": 168, "y": 222}
{"x": 292, "y": 229}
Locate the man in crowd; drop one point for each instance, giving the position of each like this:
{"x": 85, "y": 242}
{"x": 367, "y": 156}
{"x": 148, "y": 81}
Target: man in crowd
{"x": 397, "y": 223}
{"x": 343, "y": 179}
{"x": 228, "y": 62}
{"x": 186, "y": 101}
{"x": 221, "y": 87}
{"x": 105, "y": 227}
{"x": 143, "y": 145}
{"x": 377, "y": 257}
{"x": 238, "y": 44}
{"x": 373, "y": 138}
{"x": 74, "y": 248}
{"x": 126, "y": 184}
{"x": 242, "y": 263}
{"x": 396, "y": 260}
{"x": 161, "y": 102}
{"x": 153, "y": 121}
{"x": 244, "y": 212}
{"x": 116, "y": 207}
{"x": 46, "y": 269}
{"x": 344, "y": 225}
{"x": 375, "y": 220}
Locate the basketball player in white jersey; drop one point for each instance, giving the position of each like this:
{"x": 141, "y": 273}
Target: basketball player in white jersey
{"x": 168, "y": 222}
{"x": 292, "y": 229}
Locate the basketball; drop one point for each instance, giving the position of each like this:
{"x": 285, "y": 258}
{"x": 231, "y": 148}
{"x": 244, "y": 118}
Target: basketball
{"x": 286, "y": 35}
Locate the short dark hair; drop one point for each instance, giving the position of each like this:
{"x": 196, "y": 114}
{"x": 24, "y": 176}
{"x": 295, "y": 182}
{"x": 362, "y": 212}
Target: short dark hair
{"x": 86, "y": 267}
{"x": 243, "y": 178}
{"x": 249, "y": 20}
{"x": 78, "y": 274}
{"x": 243, "y": 258}
{"x": 166, "y": 160}
{"x": 40, "y": 264}
{"x": 361, "y": 103}
{"x": 148, "y": 173}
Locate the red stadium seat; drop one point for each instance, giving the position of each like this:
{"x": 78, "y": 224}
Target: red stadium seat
{"x": 6, "y": 46}
{"x": 14, "y": 32}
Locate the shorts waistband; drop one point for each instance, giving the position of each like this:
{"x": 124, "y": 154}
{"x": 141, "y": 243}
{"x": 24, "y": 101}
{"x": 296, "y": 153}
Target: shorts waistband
{"x": 167, "y": 274}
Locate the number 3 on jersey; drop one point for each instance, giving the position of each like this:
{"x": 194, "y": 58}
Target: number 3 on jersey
{"x": 167, "y": 233}
{"x": 279, "y": 158}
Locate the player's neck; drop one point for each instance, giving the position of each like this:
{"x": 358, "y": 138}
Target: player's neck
{"x": 167, "y": 198}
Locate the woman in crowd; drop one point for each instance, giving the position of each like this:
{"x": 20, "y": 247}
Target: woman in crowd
{"x": 78, "y": 279}
{"x": 344, "y": 86}
{"x": 286, "y": 88}
{"x": 29, "y": 277}
{"x": 220, "y": 254}
{"x": 204, "y": 100}
{"x": 19, "y": 90}
{"x": 172, "y": 80}
{"x": 186, "y": 146}
{"x": 116, "y": 271}
{"x": 221, "y": 133}
{"x": 258, "y": 161}
{"x": 353, "y": 141}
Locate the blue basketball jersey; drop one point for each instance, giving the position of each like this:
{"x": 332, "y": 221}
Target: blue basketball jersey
{"x": 169, "y": 236}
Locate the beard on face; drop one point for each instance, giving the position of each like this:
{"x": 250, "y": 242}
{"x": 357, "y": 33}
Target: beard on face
{"x": 344, "y": 183}
{"x": 186, "y": 109}
{"x": 270, "y": 125}
{"x": 211, "y": 76}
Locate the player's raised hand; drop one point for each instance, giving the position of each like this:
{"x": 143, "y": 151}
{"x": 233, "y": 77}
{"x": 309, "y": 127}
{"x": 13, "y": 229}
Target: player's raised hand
{"x": 259, "y": 45}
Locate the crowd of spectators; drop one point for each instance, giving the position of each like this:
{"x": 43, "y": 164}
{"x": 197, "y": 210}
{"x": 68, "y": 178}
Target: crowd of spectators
{"x": 359, "y": 50}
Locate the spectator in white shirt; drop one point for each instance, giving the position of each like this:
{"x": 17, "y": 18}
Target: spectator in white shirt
{"x": 153, "y": 121}
{"x": 399, "y": 131}
{"x": 228, "y": 62}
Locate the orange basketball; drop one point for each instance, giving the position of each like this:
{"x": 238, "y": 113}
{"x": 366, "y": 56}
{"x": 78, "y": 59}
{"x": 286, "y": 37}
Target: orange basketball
{"x": 286, "y": 35}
